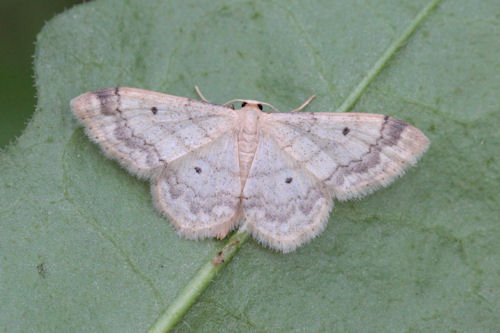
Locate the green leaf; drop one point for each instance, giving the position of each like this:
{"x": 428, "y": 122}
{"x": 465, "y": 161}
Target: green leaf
{"x": 83, "y": 249}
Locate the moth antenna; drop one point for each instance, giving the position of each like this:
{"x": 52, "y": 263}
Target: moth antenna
{"x": 233, "y": 101}
{"x": 200, "y": 94}
{"x": 305, "y": 104}
{"x": 271, "y": 106}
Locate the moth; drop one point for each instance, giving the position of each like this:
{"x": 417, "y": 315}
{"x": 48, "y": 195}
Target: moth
{"x": 213, "y": 168}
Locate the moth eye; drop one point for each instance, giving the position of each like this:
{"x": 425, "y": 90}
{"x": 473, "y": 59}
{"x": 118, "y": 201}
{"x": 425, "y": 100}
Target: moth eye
{"x": 243, "y": 104}
{"x": 259, "y": 106}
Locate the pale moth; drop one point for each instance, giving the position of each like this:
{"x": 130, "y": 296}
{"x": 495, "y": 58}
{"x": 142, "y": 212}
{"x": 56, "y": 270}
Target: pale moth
{"x": 213, "y": 168}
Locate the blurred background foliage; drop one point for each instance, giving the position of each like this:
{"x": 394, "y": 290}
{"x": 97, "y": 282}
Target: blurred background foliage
{"x": 20, "y": 21}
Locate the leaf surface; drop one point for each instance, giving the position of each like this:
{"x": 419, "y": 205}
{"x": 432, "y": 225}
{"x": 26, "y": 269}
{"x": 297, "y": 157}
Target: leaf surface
{"x": 83, "y": 249}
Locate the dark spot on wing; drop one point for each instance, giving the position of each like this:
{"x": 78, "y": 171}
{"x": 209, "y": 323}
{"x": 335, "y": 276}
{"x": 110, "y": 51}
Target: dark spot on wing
{"x": 154, "y": 109}
{"x": 288, "y": 180}
{"x": 197, "y": 169}
{"x": 346, "y": 130}
{"x": 125, "y": 135}
{"x": 392, "y": 131}
{"x": 108, "y": 99}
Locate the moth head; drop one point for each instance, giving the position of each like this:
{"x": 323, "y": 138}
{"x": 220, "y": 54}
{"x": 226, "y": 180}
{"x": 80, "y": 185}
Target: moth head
{"x": 250, "y": 103}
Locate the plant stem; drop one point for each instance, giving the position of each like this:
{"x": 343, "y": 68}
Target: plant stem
{"x": 201, "y": 280}
{"x": 380, "y": 63}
